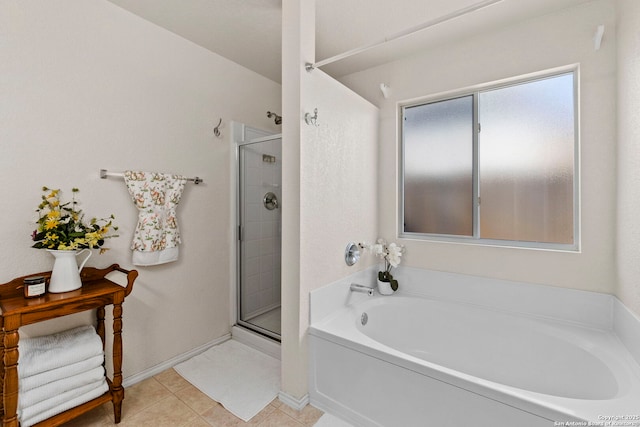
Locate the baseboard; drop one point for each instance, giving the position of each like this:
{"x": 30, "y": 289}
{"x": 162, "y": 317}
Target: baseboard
{"x": 339, "y": 411}
{"x": 154, "y": 370}
{"x": 260, "y": 343}
{"x": 297, "y": 404}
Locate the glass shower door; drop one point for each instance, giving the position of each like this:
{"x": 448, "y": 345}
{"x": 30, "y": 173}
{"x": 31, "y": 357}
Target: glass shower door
{"x": 260, "y": 192}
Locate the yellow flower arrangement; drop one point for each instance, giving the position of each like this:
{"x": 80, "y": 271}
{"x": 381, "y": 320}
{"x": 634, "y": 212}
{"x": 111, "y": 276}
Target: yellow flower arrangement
{"x": 61, "y": 226}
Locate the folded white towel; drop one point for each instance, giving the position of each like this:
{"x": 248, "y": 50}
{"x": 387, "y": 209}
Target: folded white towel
{"x": 39, "y": 394}
{"x": 46, "y": 377}
{"x": 62, "y": 402}
{"x": 48, "y": 352}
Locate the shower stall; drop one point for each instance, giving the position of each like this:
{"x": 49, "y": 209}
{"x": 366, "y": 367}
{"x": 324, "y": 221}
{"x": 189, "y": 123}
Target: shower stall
{"x": 259, "y": 234}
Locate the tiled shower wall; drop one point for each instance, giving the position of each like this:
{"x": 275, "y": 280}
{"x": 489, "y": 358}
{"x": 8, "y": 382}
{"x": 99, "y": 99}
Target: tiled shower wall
{"x": 260, "y": 262}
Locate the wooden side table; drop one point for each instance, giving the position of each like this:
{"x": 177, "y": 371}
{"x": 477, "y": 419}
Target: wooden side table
{"x": 96, "y": 293}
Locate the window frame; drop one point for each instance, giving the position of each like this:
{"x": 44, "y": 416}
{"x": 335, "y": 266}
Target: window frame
{"x": 474, "y": 91}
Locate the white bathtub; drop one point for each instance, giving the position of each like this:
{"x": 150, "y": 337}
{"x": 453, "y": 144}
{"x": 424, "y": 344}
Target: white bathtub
{"x": 425, "y": 362}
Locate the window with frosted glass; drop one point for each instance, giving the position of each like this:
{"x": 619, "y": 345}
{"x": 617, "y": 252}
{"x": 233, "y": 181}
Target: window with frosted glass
{"x": 520, "y": 184}
{"x": 438, "y": 167}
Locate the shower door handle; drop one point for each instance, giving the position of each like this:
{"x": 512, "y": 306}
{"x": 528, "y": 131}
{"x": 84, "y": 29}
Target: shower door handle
{"x": 270, "y": 201}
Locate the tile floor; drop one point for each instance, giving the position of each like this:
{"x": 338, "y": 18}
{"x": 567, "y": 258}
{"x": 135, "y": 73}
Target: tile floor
{"x": 168, "y": 400}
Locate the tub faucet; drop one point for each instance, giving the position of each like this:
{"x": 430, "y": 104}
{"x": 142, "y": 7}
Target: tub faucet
{"x": 361, "y": 288}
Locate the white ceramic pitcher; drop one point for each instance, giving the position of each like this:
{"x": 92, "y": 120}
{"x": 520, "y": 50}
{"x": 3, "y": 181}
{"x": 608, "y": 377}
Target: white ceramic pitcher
{"x": 65, "y": 276}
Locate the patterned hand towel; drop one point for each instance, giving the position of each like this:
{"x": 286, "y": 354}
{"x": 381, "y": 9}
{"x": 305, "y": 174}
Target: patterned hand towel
{"x": 156, "y": 195}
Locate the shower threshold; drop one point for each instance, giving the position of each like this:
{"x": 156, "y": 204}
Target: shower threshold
{"x": 260, "y": 342}
{"x": 270, "y": 321}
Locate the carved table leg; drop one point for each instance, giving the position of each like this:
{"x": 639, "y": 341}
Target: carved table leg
{"x": 10, "y": 378}
{"x": 117, "y": 389}
{"x": 1, "y": 368}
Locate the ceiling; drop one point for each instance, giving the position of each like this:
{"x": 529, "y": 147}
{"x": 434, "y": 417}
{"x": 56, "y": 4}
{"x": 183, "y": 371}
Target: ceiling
{"x": 248, "y": 32}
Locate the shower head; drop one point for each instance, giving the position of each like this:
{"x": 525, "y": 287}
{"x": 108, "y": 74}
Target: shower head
{"x": 276, "y": 118}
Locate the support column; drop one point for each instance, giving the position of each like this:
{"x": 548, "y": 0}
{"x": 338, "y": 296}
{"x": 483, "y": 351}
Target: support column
{"x": 298, "y": 48}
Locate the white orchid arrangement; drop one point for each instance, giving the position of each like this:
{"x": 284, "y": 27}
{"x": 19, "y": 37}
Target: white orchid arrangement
{"x": 391, "y": 254}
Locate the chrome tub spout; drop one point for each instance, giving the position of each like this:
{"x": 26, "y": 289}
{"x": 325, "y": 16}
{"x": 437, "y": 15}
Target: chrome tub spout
{"x": 361, "y": 288}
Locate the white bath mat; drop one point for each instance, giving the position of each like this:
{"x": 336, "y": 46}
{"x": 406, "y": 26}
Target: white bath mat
{"x": 241, "y": 379}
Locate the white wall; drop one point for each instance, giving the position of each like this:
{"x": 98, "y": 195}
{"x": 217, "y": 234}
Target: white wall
{"x": 86, "y": 85}
{"x": 628, "y": 244}
{"x": 550, "y": 41}
{"x": 330, "y": 174}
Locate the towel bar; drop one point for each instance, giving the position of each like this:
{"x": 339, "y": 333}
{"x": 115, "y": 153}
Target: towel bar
{"x": 104, "y": 174}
